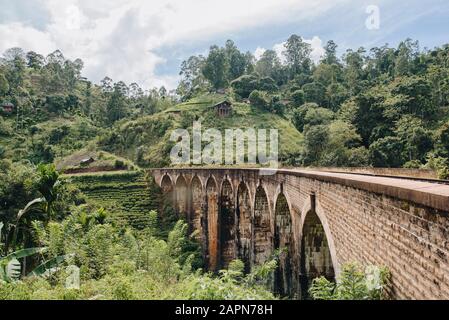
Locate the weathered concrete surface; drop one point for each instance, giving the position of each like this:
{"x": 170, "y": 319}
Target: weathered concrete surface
{"x": 212, "y": 227}
{"x": 244, "y": 225}
{"x": 227, "y": 225}
{"x": 393, "y": 172}
{"x": 197, "y": 205}
{"x": 181, "y": 197}
{"x": 283, "y": 238}
{"x": 322, "y": 220}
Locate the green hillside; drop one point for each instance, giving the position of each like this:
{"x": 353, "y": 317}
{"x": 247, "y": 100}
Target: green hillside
{"x": 147, "y": 140}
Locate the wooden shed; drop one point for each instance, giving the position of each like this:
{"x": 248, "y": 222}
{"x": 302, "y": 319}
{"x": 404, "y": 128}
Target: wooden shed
{"x": 7, "y": 107}
{"x": 223, "y": 108}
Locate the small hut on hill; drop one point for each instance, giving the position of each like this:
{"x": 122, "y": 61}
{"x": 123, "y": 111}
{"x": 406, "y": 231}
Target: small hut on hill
{"x": 223, "y": 108}
{"x": 86, "y": 161}
{"x": 7, "y": 107}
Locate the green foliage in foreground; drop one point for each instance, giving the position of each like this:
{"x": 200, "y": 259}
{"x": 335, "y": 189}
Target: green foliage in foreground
{"x": 354, "y": 283}
{"x": 129, "y": 264}
{"x": 10, "y": 267}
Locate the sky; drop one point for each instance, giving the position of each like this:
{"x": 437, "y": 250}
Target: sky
{"x": 145, "y": 41}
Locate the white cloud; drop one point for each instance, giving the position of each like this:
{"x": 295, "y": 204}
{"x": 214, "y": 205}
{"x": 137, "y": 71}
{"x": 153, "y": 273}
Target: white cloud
{"x": 18, "y": 35}
{"x": 121, "y": 38}
{"x": 316, "y": 44}
{"x": 259, "y": 52}
{"x": 279, "y": 48}
{"x": 317, "y": 48}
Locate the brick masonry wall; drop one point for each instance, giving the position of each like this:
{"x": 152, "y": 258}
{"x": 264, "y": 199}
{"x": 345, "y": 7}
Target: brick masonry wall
{"x": 375, "y": 221}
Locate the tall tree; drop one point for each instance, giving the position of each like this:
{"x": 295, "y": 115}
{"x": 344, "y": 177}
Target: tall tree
{"x": 192, "y": 80}
{"x": 34, "y": 60}
{"x": 16, "y": 66}
{"x": 135, "y": 92}
{"x": 116, "y": 108}
{"x": 215, "y": 67}
{"x": 236, "y": 60}
{"x": 106, "y": 85}
{"x": 268, "y": 63}
{"x": 72, "y": 72}
{"x": 297, "y": 53}
{"x": 353, "y": 72}
{"x": 330, "y": 53}
{"x": 407, "y": 51}
{"x": 54, "y": 79}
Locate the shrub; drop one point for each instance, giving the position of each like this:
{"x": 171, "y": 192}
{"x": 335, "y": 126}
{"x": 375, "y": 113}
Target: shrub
{"x": 56, "y": 103}
{"x": 354, "y": 283}
{"x": 119, "y": 164}
{"x": 386, "y": 152}
{"x": 298, "y": 98}
{"x": 244, "y": 85}
{"x": 258, "y": 99}
{"x": 5, "y": 128}
{"x": 412, "y": 164}
{"x": 299, "y": 115}
{"x": 439, "y": 164}
{"x": 267, "y": 84}
{"x": 130, "y": 264}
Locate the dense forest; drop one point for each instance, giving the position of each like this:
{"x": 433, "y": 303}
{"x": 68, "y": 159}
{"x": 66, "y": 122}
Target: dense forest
{"x": 386, "y": 107}
{"x": 382, "y": 107}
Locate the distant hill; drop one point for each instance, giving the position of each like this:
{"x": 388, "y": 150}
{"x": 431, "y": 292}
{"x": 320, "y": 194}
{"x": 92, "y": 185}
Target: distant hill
{"x": 146, "y": 140}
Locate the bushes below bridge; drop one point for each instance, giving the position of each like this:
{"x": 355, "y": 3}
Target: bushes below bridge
{"x": 129, "y": 264}
{"x": 354, "y": 283}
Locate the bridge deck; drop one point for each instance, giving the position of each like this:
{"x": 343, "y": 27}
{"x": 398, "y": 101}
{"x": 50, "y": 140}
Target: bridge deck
{"x": 426, "y": 193}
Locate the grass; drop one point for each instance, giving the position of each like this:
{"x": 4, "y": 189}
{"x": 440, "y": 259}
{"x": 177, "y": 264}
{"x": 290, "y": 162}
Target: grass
{"x": 102, "y": 159}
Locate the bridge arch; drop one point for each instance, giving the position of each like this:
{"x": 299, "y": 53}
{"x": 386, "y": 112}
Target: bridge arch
{"x": 284, "y": 241}
{"x": 227, "y": 224}
{"x": 244, "y": 225}
{"x": 263, "y": 238}
{"x": 181, "y": 197}
{"x": 317, "y": 249}
{"x": 167, "y": 189}
{"x": 212, "y": 223}
{"x": 166, "y": 184}
{"x": 197, "y": 201}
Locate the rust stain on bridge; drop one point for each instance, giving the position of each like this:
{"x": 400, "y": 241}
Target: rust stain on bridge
{"x": 318, "y": 221}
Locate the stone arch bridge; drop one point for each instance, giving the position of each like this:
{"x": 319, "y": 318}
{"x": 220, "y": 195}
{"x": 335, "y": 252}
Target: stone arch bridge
{"x": 318, "y": 221}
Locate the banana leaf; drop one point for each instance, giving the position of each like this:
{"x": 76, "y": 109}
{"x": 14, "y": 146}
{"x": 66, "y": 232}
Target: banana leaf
{"x": 48, "y": 266}
{"x": 13, "y": 270}
{"x": 23, "y": 253}
{"x": 28, "y": 206}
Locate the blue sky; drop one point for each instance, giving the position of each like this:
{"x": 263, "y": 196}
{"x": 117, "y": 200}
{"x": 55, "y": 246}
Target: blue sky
{"x": 146, "y": 41}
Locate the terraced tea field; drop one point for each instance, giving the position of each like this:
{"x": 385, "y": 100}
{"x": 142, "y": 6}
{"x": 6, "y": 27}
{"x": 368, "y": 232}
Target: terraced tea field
{"x": 124, "y": 195}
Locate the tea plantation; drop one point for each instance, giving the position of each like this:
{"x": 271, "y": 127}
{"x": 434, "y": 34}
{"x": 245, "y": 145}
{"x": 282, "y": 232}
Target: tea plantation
{"x": 124, "y": 195}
